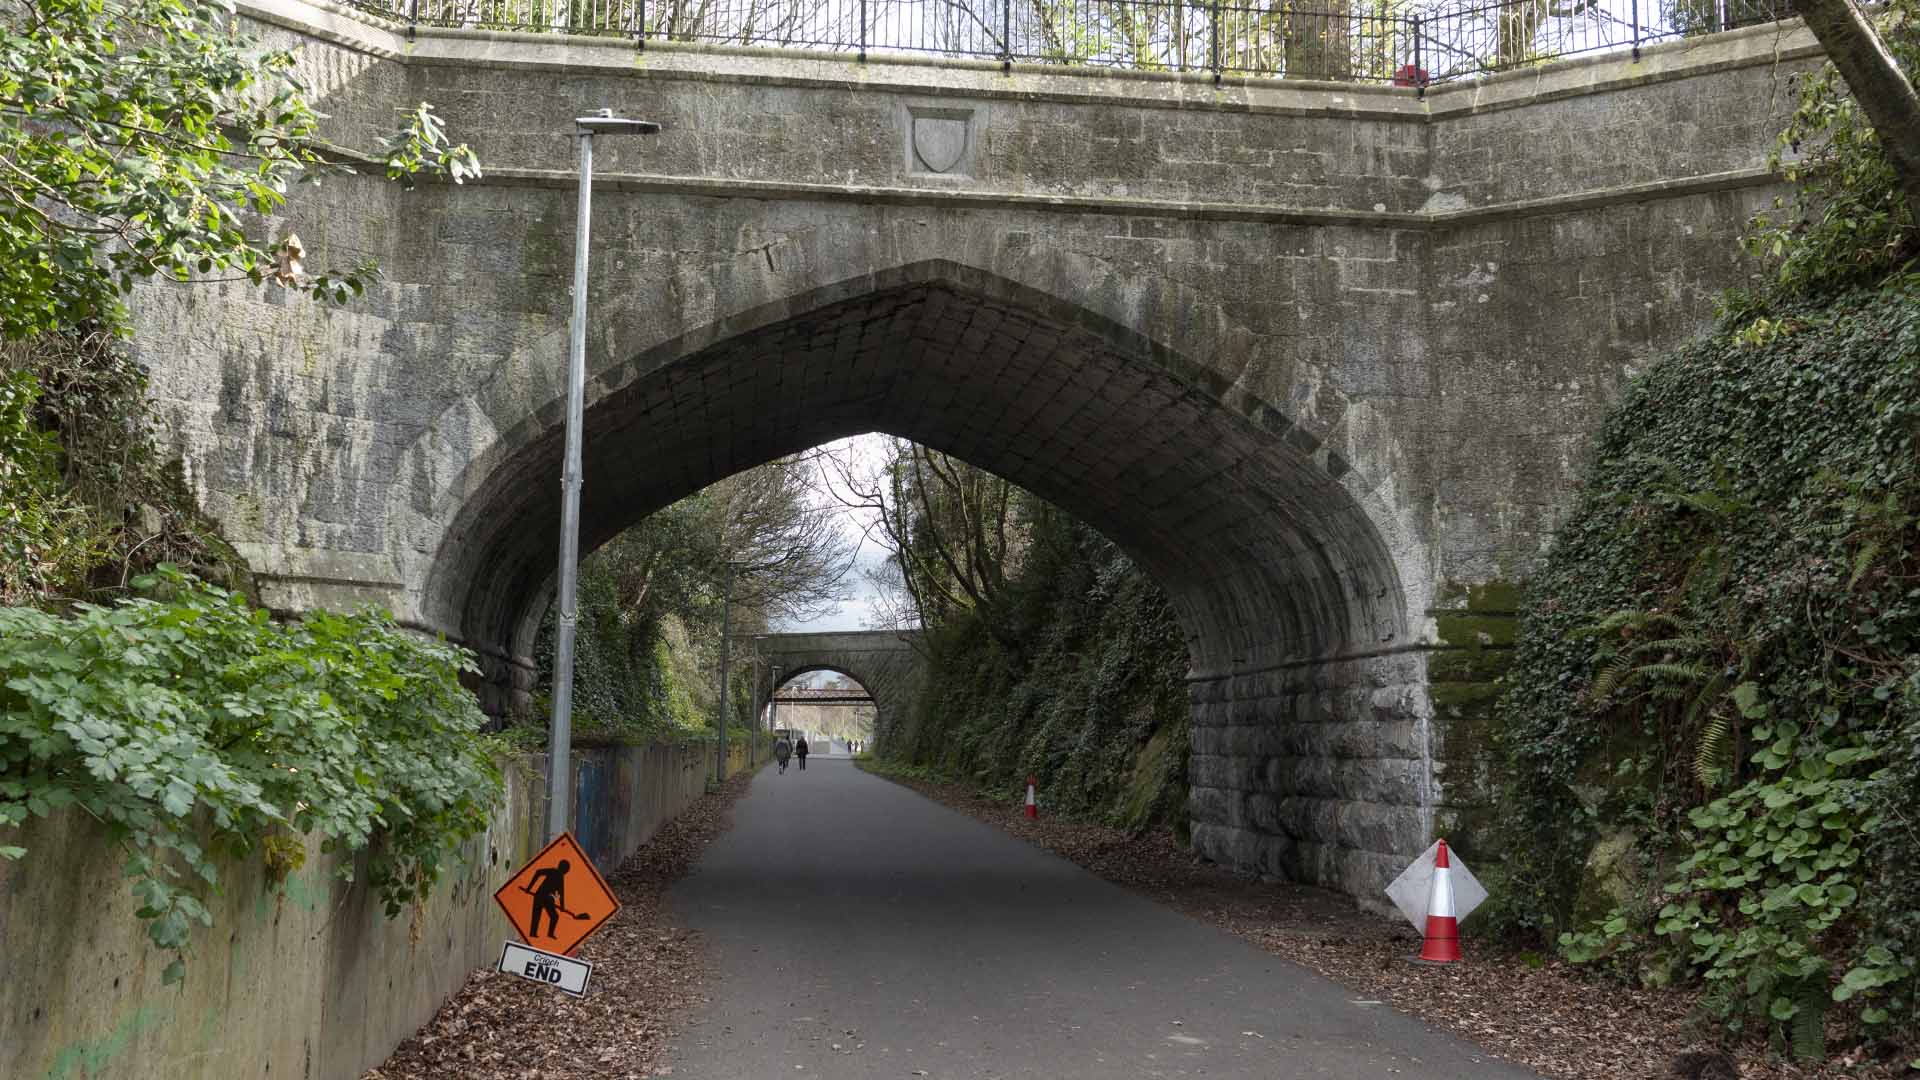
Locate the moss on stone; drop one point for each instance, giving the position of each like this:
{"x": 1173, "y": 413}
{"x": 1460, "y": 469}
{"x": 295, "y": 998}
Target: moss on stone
{"x": 1456, "y": 698}
{"x": 1477, "y": 664}
{"x": 1474, "y": 631}
{"x": 1144, "y": 790}
{"x": 1498, "y": 596}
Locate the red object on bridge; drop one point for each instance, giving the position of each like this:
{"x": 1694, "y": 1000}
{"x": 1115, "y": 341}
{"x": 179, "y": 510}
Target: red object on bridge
{"x": 1033, "y": 801}
{"x": 1443, "y": 929}
{"x": 1408, "y": 75}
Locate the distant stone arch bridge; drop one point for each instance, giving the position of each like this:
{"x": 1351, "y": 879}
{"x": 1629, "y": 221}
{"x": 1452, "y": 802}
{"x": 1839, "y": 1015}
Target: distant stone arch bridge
{"x": 1324, "y": 359}
{"x": 886, "y": 663}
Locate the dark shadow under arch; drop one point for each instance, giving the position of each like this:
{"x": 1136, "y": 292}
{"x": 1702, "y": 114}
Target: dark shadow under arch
{"x": 1238, "y": 513}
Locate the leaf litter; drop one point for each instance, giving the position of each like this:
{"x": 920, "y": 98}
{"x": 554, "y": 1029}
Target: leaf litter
{"x": 646, "y": 978}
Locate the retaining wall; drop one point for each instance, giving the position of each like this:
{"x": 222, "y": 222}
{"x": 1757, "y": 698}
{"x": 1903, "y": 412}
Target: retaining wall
{"x": 310, "y": 981}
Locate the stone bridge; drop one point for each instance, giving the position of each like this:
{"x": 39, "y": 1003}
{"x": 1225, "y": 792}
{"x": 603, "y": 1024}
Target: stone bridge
{"x": 884, "y": 662}
{"x": 1324, "y": 359}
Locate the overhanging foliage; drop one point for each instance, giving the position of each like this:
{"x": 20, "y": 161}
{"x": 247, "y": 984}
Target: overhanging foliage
{"x": 193, "y": 727}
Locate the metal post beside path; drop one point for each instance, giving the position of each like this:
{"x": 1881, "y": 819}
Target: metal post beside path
{"x": 560, "y": 734}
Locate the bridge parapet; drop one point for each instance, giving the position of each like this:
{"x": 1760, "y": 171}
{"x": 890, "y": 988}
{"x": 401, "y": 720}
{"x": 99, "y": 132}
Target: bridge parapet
{"x": 1411, "y": 46}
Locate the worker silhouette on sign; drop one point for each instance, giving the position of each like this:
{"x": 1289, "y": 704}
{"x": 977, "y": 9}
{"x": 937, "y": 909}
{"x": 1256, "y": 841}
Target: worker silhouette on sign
{"x": 549, "y": 889}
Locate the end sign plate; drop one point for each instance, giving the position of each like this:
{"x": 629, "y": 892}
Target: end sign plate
{"x": 548, "y": 969}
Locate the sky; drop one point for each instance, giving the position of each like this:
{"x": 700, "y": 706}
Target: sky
{"x": 861, "y": 610}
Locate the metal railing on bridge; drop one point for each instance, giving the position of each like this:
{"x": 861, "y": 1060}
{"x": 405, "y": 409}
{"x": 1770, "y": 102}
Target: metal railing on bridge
{"x": 1410, "y": 44}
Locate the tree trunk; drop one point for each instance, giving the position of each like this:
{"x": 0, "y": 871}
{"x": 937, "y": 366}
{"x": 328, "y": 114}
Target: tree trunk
{"x": 1519, "y": 24}
{"x": 1877, "y": 83}
{"x": 1317, "y": 44}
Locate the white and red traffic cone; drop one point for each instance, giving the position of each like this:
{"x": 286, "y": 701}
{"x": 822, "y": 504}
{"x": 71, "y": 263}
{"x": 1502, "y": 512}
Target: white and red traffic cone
{"x": 1443, "y": 929}
{"x": 1033, "y": 800}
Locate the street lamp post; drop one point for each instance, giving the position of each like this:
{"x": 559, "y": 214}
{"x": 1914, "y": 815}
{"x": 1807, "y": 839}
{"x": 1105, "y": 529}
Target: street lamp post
{"x": 753, "y": 702}
{"x": 726, "y": 699}
{"x": 773, "y": 700}
{"x": 560, "y": 735}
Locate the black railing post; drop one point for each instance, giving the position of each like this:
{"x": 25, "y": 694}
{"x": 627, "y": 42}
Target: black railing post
{"x": 1216, "y": 43}
{"x": 1636, "y": 29}
{"x": 640, "y": 32}
{"x": 863, "y": 31}
{"x": 1419, "y": 62}
{"x": 413, "y": 17}
{"x": 1006, "y": 37}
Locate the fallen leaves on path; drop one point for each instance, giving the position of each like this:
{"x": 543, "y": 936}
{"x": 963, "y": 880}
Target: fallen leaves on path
{"x": 646, "y": 975}
{"x": 1544, "y": 1015}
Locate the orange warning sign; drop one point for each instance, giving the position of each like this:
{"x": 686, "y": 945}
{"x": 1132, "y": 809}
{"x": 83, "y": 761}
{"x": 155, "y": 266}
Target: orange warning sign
{"x": 558, "y": 898}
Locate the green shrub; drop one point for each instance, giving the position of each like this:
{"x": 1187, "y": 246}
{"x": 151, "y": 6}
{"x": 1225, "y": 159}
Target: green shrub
{"x": 48, "y": 541}
{"x": 1092, "y": 700}
{"x": 1847, "y": 224}
{"x": 1718, "y": 658}
{"x": 86, "y": 498}
{"x": 194, "y": 728}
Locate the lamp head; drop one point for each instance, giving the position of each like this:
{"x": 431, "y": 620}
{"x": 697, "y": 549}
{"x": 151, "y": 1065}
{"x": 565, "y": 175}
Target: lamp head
{"x": 605, "y": 123}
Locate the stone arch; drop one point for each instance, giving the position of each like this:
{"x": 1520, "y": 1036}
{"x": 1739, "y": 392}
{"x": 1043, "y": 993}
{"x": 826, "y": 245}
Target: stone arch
{"x": 1267, "y": 462}
{"x": 1274, "y": 550}
{"x": 885, "y": 662}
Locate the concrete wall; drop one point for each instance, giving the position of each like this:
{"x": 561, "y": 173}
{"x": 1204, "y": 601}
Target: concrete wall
{"x": 624, "y": 794}
{"x": 310, "y": 981}
{"x": 1323, "y": 359}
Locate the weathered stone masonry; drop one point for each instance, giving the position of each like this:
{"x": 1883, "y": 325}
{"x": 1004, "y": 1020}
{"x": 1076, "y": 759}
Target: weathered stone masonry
{"x": 1322, "y": 358}
{"x": 883, "y": 662}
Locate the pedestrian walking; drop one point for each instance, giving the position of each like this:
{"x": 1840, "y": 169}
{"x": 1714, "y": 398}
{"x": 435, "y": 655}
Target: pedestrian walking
{"x": 800, "y": 751}
{"x": 782, "y": 750}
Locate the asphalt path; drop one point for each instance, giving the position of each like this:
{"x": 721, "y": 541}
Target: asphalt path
{"x": 859, "y": 930}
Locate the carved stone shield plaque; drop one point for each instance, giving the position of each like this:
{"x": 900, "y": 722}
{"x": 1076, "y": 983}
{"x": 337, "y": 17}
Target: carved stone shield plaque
{"x": 939, "y": 142}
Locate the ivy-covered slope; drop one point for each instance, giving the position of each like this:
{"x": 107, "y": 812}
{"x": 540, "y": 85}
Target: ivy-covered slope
{"x": 1091, "y": 698}
{"x": 1711, "y": 733}
{"x": 630, "y": 683}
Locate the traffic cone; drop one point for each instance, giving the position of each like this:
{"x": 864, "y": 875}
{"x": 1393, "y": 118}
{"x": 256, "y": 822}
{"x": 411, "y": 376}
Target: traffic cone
{"x": 1033, "y": 801}
{"x": 1443, "y": 929}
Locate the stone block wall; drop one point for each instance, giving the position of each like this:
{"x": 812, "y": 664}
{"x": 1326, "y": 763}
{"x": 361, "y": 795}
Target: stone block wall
{"x": 1313, "y": 772}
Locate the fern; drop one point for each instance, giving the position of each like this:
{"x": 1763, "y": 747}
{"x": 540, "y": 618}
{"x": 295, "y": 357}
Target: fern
{"x": 1612, "y": 677}
{"x": 1632, "y": 620}
{"x": 1707, "y": 502}
{"x": 1864, "y": 562}
{"x": 1673, "y": 671}
{"x": 1715, "y": 735}
{"x": 1809, "y": 1032}
{"x": 1712, "y": 749}
{"x": 1686, "y": 643}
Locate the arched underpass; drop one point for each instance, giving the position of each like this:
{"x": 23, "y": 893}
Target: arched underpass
{"x": 1310, "y": 759}
{"x": 885, "y": 663}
